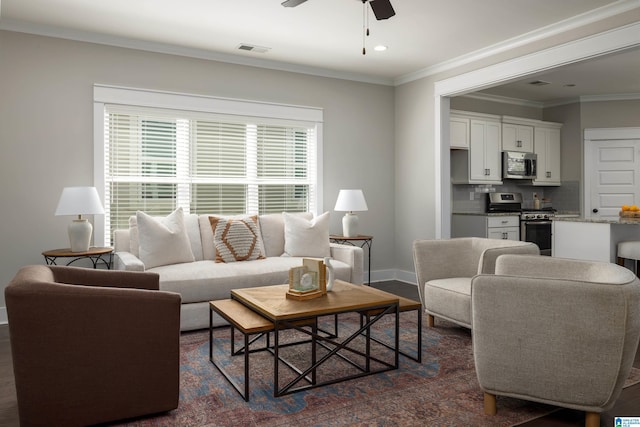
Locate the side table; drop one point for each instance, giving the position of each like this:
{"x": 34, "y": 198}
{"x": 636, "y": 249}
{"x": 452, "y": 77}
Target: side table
{"x": 95, "y": 254}
{"x": 367, "y": 241}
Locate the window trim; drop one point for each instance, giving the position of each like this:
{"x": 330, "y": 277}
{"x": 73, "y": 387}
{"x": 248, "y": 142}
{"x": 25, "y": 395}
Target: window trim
{"x": 104, "y": 94}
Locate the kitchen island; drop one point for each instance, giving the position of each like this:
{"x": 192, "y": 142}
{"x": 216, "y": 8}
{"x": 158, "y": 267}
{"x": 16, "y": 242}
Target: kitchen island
{"x": 591, "y": 239}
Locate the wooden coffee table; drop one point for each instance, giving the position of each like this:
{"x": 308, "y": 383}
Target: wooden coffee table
{"x": 270, "y": 303}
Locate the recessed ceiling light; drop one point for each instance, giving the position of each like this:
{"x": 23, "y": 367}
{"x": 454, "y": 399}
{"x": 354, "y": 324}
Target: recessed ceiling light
{"x": 380, "y": 48}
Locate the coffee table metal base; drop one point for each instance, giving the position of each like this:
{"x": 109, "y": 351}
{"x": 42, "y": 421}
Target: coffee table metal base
{"x": 338, "y": 349}
{"x": 251, "y": 324}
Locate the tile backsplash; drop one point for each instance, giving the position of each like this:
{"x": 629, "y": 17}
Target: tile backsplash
{"x": 565, "y": 198}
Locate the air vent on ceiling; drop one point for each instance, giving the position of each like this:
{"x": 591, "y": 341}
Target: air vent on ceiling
{"x": 539, "y": 83}
{"x": 253, "y": 48}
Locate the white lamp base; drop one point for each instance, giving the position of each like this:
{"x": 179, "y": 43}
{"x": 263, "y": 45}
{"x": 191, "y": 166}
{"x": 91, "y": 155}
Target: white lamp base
{"x": 80, "y": 235}
{"x": 350, "y": 225}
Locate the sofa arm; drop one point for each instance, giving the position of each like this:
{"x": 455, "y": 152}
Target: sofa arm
{"x": 352, "y": 255}
{"x": 127, "y": 261}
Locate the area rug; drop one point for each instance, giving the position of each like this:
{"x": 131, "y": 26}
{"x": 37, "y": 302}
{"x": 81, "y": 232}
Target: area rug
{"x": 441, "y": 391}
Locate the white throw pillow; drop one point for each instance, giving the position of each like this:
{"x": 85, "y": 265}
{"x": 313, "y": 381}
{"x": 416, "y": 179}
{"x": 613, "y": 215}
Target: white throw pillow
{"x": 163, "y": 241}
{"x": 307, "y": 238}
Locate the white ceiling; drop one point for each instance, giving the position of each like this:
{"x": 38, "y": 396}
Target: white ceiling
{"x": 323, "y": 37}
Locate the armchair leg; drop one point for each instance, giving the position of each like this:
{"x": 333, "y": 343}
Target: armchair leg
{"x": 592, "y": 419}
{"x": 490, "y": 404}
{"x": 431, "y": 321}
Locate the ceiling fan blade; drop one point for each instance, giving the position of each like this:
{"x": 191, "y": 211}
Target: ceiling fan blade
{"x": 292, "y": 3}
{"x": 382, "y": 9}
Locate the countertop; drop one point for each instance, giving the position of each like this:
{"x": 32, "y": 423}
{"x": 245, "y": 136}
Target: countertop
{"x": 488, "y": 213}
{"x": 632, "y": 221}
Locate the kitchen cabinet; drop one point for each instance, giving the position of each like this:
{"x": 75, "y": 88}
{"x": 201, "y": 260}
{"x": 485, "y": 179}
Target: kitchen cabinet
{"x": 481, "y": 163}
{"x": 506, "y": 227}
{"x": 547, "y": 148}
{"x": 459, "y": 132}
{"x": 517, "y": 137}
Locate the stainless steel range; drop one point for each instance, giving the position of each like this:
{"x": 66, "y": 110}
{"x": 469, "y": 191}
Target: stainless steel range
{"x": 535, "y": 224}
{"x": 536, "y": 227}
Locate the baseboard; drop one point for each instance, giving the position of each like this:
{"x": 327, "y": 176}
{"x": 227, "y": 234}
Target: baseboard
{"x": 392, "y": 274}
{"x": 3, "y": 316}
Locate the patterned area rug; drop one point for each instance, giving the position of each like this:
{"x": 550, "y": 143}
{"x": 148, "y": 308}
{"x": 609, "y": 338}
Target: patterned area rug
{"x": 441, "y": 391}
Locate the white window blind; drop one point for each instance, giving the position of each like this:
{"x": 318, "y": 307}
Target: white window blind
{"x": 157, "y": 159}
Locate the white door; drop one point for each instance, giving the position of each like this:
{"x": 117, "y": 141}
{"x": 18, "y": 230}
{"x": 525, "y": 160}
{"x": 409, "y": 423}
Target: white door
{"x": 612, "y": 171}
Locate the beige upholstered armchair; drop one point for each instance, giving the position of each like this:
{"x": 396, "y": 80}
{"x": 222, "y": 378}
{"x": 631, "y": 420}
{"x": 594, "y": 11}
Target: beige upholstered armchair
{"x": 557, "y": 331}
{"x": 444, "y": 269}
{"x": 91, "y": 346}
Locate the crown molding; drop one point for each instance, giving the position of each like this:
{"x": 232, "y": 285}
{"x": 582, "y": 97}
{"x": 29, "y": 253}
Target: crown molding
{"x": 574, "y": 22}
{"x": 555, "y": 103}
{"x": 577, "y": 21}
{"x": 170, "y": 49}
{"x": 504, "y": 100}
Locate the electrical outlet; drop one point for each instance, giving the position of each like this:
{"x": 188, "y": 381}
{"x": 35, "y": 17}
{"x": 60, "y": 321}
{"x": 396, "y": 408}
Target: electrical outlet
{"x": 471, "y": 195}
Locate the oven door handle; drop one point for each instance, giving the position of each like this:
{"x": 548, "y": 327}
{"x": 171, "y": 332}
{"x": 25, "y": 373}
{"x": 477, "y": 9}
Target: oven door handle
{"x": 527, "y": 222}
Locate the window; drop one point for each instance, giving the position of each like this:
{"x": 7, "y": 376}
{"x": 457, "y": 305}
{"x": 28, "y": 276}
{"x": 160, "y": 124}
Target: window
{"x": 156, "y": 159}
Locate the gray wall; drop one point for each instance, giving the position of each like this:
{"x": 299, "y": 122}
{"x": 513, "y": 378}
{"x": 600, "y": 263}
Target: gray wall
{"x": 610, "y": 114}
{"x": 46, "y": 132}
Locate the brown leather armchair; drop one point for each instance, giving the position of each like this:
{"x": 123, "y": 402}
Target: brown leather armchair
{"x": 91, "y": 346}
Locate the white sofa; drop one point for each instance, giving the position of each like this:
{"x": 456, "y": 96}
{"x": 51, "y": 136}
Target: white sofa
{"x": 204, "y": 279}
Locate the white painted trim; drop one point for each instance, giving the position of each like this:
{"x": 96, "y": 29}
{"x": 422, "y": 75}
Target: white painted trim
{"x": 209, "y": 104}
{"x": 170, "y": 49}
{"x": 392, "y": 274}
{"x": 504, "y": 100}
{"x": 4, "y": 319}
{"x": 577, "y": 21}
{"x": 555, "y": 103}
{"x": 616, "y": 8}
{"x": 618, "y": 39}
{"x": 116, "y": 95}
{"x": 613, "y": 97}
{"x": 594, "y": 134}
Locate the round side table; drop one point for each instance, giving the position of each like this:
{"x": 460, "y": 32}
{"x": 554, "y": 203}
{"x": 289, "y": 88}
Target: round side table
{"x": 94, "y": 254}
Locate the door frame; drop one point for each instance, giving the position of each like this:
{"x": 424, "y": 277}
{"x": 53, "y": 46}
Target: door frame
{"x": 591, "y": 136}
{"x": 615, "y": 40}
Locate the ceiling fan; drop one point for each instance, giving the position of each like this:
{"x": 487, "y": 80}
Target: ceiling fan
{"x": 382, "y": 9}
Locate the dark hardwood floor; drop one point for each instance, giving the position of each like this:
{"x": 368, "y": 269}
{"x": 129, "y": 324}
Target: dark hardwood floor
{"x": 627, "y": 405}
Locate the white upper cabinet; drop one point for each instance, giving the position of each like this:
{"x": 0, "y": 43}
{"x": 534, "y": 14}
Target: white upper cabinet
{"x": 547, "y": 148}
{"x": 459, "y": 132}
{"x": 517, "y": 137}
{"x": 482, "y": 162}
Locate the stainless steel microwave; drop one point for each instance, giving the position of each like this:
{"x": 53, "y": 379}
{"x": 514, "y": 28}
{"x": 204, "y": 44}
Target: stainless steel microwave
{"x": 517, "y": 165}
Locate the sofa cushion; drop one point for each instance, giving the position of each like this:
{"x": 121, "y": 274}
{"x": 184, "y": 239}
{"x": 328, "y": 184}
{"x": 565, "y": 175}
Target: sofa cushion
{"x": 451, "y": 296}
{"x": 308, "y": 238}
{"x": 207, "y": 280}
{"x": 163, "y": 240}
{"x": 272, "y": 230}
{"x": 191, "y": 225}
{"x": 236, "y": 239}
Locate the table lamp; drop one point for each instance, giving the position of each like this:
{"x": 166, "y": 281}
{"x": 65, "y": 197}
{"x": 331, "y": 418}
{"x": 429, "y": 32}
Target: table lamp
{"x": 349, "y": 201}
{"x": 79, "y": 201}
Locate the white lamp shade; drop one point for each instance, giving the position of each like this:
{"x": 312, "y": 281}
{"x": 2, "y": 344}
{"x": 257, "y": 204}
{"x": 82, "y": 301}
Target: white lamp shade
{"x": 351, "y": 200}
{"x": 79, "y": 201}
